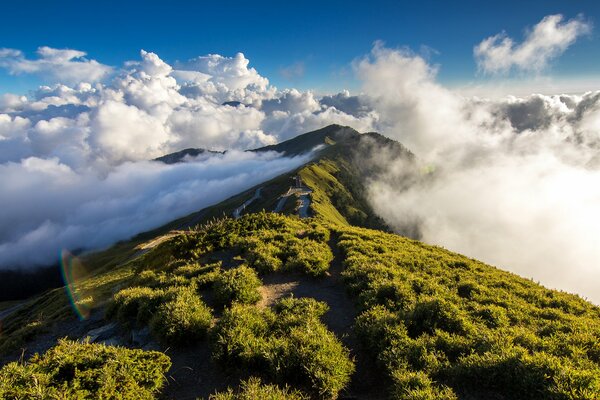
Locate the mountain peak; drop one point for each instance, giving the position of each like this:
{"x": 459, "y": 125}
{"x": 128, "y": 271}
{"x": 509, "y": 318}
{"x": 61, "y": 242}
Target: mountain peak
{"x": 305, "y": 142}
{"x": 179, "y": 156}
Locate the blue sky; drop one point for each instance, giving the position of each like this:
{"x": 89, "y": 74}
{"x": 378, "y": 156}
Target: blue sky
{"x": 323, "y": 37}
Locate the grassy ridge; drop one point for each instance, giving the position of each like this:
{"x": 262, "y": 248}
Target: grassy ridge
{"x": 440, "y": 325}
{"x": 443, "y": 325}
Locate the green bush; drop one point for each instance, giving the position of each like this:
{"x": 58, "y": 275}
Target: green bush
{"x": 239, "y": 284}
{"x": 307, "y": 256}
{"x": 73, "y": 370}
{"x": 253, "y": 389}
{"x": 410, "y": 385}
{"x": 431, "y": 314}
{"x": 182, "y": 320}
{"x": 288, "y": 344}
{"x": 263, "y": 256}
{"x": 136, "y": 304}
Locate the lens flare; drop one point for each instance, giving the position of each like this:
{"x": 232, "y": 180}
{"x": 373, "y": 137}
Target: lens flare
{"x": 73, "y": 272}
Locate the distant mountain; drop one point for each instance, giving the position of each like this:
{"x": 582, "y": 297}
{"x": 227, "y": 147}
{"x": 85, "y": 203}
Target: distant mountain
{"x": 306, "y": 142}
{"x": 180, "y": 156}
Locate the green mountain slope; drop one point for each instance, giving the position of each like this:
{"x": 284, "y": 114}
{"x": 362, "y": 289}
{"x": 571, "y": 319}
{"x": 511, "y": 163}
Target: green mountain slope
{"x": 270, "y": 305}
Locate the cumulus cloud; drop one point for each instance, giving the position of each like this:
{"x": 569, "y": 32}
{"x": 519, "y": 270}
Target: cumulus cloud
{"x": 62, "y": 65}
{"x": 512, "y": 181}
{"x": 149, "y": 108}
{"x": 547, "y": 40}
{"x": 48, "y": 206}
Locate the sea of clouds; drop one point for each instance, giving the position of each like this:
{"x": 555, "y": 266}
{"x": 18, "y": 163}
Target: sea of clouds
{"x": 513, "y": 181}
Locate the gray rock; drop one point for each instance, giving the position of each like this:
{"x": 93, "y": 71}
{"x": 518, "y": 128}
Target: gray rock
{"x": 102, "y": 333}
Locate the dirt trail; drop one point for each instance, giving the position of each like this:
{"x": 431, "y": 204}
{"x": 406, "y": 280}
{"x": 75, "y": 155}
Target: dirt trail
{"x": 366, "y": 381}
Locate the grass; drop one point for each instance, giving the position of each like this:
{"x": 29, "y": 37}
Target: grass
{"x": 445, "y": 326}
{"x": 288, "y": 344}
{"x": 73, "y": 370}
{"x": 253, "y": 389}
{"x": 182, "y": 320}
{"x": 239, "y": 284}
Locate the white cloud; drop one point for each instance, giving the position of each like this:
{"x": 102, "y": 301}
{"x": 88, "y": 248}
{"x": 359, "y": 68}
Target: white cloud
{"x": 547, "y": 40}
{"x": 150, "y": 108}
{"x": 62, "y": 65}
{"x": 81, "y": 210}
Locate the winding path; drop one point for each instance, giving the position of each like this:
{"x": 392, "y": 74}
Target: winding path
{"x": 238, "y": 211}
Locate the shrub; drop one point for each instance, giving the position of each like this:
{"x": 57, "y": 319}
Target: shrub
{"x": 467, "y": 289}
{"x": 292, "y": 311}
{"x": 253, "y": 389}
{"x": 183, "y": 319}
{"x": 73, "y": 370}
{"x": 493, "y": 316}
{"x": 136, "y": 304}
{"x": 289, "y": 344}
{"x": 431, "y": 314}
{"x": 307, "y": 256}
{"x": 319, "y": 233}
{"x": 519, "y": 374}
{"x": 317, "y": 358}
{"x": 239, "y": 284}
{"x": 410, "y": 385}
{"x": 372, "y": 326}
{"x": 264, "y": 257}
{"x": 241, "y": 337}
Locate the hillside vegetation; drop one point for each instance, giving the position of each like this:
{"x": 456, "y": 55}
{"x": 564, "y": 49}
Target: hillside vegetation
{"x": 271, "y": 306}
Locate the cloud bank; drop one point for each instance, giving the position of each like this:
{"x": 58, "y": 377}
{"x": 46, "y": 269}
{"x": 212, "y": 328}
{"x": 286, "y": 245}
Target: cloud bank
{"x": 47, "y": 206}
{"x": 74, "y": 166}
{"x": 62, "y": 65}
{"x": 150, "y": 108}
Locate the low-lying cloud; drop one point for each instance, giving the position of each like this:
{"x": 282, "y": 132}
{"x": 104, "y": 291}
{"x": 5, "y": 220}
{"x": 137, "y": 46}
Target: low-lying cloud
{"x": 74, "y": 167}
{"x": 48, "y": 206}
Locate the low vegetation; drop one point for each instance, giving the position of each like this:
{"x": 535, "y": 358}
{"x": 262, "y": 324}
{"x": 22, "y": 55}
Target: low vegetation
{"x": 253, "y": 389}
{"x": 182, "y": 320}
{"x": 439, "y": 325}
{"x": 444, "y": 326}
{"x": 288, "y": 344}
{"x": 73, "y": 370}
{"x": 239, "y": 284}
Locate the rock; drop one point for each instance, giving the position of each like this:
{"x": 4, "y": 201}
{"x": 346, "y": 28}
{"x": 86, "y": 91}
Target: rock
{"x": 103, "y": 333}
